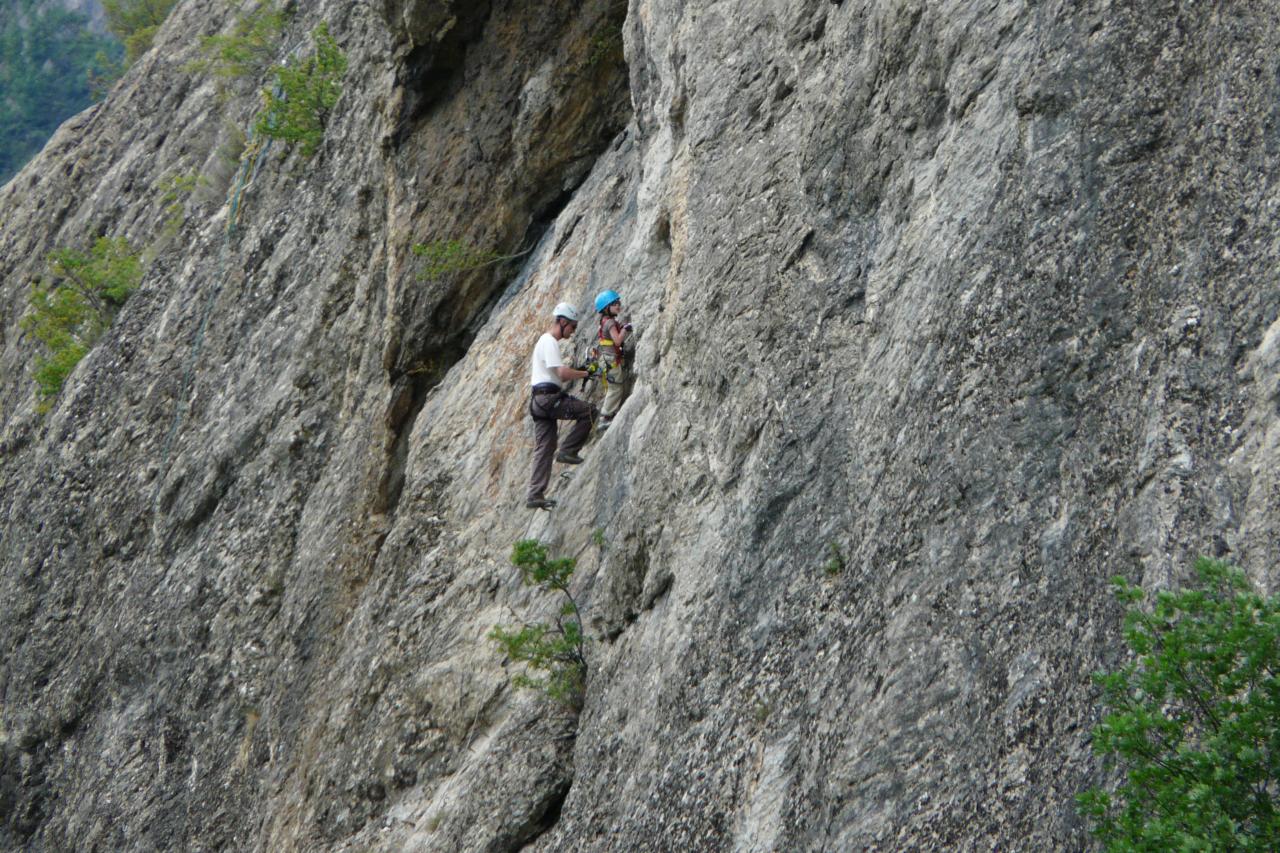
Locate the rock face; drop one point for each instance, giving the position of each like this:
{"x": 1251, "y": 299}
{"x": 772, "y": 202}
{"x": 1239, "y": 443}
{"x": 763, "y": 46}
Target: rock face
{"x": 948, "y": 313}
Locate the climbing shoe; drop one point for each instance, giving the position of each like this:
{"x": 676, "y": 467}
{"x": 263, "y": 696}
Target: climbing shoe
{"x": 603, "y": 424}
{"x": 539, "y": 503}
{"x": 569, "y": 458}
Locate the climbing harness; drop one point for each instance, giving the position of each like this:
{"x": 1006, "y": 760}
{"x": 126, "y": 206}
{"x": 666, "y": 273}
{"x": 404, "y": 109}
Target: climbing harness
{"x": 609, "y": 361}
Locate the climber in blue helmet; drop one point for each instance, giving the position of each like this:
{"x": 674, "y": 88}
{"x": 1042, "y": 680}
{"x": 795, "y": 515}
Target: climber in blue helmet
{"x": 610, "y": 354}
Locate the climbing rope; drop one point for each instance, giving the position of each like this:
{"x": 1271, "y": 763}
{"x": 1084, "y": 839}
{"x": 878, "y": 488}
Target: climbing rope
{"x": 250, "y": 163}
{"x": 251, "y": 160}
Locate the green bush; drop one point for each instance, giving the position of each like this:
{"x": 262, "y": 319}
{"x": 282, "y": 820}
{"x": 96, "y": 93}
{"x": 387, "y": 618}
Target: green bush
{"x": 556, "y": 649}
{"x": 70, "y": 312}
{"x": 834, "y": 565}
{"x": 444, "y": 257}
{"x": 102, "y": 72}
{"x": 250, "y": 48}
{"x": 606, "y": 46}
{"x": 298, "y": 105}
{"x": 175, "y": 192}
{"x": 135, "y": 22}
{"x": 1194, "y": 720}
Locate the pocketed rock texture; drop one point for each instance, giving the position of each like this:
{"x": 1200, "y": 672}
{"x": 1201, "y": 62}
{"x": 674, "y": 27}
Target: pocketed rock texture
{"x": 948, "y": 312}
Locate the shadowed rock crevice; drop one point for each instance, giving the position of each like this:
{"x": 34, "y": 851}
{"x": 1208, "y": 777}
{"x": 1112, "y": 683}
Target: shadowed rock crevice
{"x": 542, "y": 819}
{"x": 437, "y": 36}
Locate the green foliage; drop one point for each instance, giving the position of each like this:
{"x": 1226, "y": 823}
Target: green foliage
{"x": 304, "y": 94}
{"x": 424, "y": 367}
{"x": 46, "y": 56}
{"x": 445, "y": 257}
{"x": 174, "y": 194}
{"x": 222, "y": 168}
{"x": 606, "y": 46}
{"x": 250, "y": 48}
{"x": 102, "y": 73}
{"x": 1194, "y": 720}
{"x": 70, "y": 313}
{"x": 135, "y": 22}
{"x": 835, "y": 565}
{"x": 176, "y": 189}
{"x": 556, "y": 649}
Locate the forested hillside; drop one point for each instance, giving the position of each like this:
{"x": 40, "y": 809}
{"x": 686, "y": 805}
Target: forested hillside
{"x": 47, "y": 54}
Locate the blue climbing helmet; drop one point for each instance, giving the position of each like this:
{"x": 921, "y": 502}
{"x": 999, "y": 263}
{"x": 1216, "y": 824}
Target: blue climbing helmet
{"x": 606, "y": 298}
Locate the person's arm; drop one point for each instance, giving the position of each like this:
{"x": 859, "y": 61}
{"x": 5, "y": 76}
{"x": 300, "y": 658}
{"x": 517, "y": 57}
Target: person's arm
{"x": 567, "y": 373}
{"x": 617, "y": 332}
{"x": 564, "y": 371}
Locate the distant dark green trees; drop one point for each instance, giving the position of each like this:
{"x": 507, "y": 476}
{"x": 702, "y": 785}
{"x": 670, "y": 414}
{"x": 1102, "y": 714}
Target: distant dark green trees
{"x": 46, "y": 55}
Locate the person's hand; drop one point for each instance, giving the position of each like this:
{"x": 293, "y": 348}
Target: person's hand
{"x": 626, "y": 327}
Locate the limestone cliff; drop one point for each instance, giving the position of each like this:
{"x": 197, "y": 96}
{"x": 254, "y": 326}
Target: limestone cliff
{"x": 980, "y": 295}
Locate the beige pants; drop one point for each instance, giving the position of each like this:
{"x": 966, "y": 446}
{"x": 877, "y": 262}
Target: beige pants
{"x": 614, "y": 385}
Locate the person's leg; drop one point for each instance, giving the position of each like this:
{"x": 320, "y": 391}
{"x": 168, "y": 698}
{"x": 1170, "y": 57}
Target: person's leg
{"x": 544, "y": 449}
{"x": 613, "y": 386}
{"x": 613, "y": 397}
{"x": 571, "y": 408}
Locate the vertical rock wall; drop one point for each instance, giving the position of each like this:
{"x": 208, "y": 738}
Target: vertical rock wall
{"x": 978, "y": 298}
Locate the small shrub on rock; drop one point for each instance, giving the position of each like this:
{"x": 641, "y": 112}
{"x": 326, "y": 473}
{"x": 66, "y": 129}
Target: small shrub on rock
{"x": 554, "y": 652}
{"x": 135, "y": 22}
{"x": 444, "y": 257}
{"x": 835, "y": 564}
{"x": 249, "y": 49}
{"x": 70, "y": 311}
{"x": 297, "y": 107}
{"x": 448, "y": 257}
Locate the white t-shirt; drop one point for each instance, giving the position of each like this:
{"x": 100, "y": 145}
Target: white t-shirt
{"x": 546, "y": 358}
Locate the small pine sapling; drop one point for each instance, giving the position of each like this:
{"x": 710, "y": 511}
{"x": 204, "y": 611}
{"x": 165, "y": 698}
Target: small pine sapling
{"x": 248, "y": 50}
{"x": 835, "y": 565}
{"x": 554, "y": 653}
{"x": 297, "y": 107}
{"x": 136, "y": 22}
{"x": 70, "y": 312}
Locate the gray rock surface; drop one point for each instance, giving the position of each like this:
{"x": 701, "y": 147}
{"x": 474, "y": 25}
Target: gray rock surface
{"x": 980, "y": 295}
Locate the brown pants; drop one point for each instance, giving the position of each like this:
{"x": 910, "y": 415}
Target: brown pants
{"x": 548, "y": 408}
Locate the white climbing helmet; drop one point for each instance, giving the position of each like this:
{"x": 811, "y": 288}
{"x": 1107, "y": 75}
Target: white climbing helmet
{"x": 567, "y": 311}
